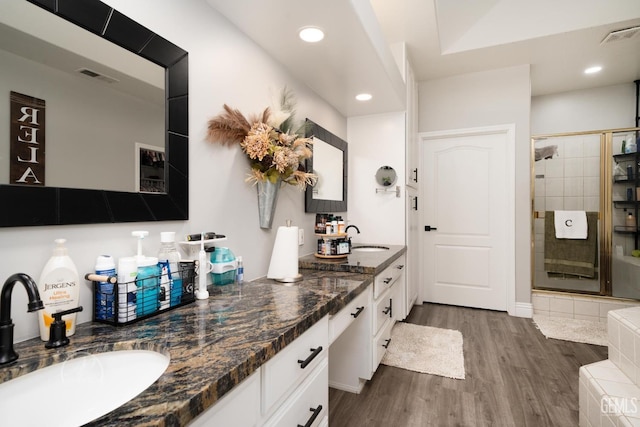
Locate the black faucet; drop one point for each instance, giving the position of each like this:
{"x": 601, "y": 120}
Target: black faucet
{"x": 349, "y": 226}
{"x": 7, "y": 354}
{"x": 349, "y": 239}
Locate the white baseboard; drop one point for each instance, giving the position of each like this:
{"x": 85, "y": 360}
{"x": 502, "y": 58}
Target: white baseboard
{"x": 348, "y": 388}
{"x": 523, "y": 309}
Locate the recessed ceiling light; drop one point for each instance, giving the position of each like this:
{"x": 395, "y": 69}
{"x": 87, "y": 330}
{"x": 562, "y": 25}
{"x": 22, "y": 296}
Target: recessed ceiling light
{"x": 311, "y": 34}
{"x": 593, "y": 70}
{"x": 364, "y": 97}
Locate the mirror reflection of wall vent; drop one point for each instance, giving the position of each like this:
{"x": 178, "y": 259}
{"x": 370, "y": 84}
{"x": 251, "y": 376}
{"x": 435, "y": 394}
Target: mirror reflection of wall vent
{"x": 618, "y": 35}
{"x": 96, "y": 75}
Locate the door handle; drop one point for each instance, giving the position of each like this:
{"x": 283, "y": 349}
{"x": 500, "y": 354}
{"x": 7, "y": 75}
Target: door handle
{"x": 429, "y": 228}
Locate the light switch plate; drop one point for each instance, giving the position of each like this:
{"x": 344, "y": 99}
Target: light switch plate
{"x": 300, "y": 236}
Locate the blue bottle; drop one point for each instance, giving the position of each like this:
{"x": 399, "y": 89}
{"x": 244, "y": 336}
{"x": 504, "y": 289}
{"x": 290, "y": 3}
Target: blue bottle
{"x": 148, "y": 284}
{"x": 105, "y": 292}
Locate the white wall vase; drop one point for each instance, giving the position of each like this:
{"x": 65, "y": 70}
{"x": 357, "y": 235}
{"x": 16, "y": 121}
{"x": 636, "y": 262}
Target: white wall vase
{"x": 267, "y": 200}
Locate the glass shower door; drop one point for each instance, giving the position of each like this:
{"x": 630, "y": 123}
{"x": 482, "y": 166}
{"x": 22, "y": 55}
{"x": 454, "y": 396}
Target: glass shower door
{"x": 566, "y": 174}
{"x": 599, "y": 173}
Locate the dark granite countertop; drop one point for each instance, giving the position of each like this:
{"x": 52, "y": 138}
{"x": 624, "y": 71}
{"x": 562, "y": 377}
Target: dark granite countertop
{"x": 356, "y": 262}
{"x": 216, "y": 343}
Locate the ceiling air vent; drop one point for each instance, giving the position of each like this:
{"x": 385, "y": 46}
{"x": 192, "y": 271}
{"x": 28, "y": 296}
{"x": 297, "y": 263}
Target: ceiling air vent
{"x": 96, "y": 75}
{"x": 625, "y": 34}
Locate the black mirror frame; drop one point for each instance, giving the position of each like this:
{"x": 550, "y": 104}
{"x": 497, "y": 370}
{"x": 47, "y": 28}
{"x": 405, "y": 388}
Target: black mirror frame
{"x": 319, "y": 205}
{"x": 34, "y": 206}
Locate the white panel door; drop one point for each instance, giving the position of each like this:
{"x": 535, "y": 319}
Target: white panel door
{"x": 470, "y": 212}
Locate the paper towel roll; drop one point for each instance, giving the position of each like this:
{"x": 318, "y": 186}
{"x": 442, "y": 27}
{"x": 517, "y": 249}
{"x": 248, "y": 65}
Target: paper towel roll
{"x": 284, "y": 257}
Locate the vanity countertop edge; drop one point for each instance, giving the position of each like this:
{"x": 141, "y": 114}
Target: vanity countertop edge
{"x": 216, "y": 343}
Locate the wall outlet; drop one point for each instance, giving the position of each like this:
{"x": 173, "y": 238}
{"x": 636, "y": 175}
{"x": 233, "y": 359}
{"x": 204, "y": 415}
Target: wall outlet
{"x": 300, "y": 236}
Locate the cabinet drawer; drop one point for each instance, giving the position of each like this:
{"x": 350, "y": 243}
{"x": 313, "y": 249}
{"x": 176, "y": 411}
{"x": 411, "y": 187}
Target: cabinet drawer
{"x": 239, "y": 407}
{"x": 285, "y": 371}
{"x": 385, "y": 280}
{"x": 311, "y": 400}
{"x": 345, "y": 317}
{"x": 381, "y": 343}
{"x": 383, "y": 310}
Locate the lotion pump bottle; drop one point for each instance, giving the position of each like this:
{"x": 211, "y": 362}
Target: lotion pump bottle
{"x": 59, "y": 288}
{"x": 631, "y": 220}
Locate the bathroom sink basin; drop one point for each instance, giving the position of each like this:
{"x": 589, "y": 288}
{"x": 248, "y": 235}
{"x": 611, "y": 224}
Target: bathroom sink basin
{"x": 369, "y": 248}
{"x": 79, "y": 390}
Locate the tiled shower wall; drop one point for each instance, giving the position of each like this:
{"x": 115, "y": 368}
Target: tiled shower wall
{"x": 568, "y": 181}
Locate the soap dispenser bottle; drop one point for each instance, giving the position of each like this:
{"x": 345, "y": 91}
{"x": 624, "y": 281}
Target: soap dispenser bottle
{"x": 59, "y": 288}
{"x": 630, "y": 221}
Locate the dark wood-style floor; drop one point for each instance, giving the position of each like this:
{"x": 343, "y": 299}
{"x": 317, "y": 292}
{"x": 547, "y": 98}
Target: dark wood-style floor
{"x": 514, "y": 377}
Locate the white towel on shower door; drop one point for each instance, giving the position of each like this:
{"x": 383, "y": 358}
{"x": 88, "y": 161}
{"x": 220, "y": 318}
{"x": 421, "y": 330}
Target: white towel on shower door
{"x": 570, "y": 224}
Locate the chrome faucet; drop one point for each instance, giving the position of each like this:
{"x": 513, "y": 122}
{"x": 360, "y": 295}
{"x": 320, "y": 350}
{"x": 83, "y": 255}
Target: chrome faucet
{"x": 7, "y": 354}
{"x": 349, "y": 226}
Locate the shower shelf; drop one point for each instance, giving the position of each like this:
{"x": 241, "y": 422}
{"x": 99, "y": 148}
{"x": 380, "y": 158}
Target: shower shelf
{"x": 622, "y": 204}
{"x": 625, "y": 229}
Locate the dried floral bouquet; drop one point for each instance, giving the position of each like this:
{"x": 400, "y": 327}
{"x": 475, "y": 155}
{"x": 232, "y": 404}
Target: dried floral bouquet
{"x": 274, "y": 149}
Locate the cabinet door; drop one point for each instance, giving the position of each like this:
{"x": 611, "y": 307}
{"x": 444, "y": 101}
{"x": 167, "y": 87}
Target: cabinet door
{"x": 411, "y": 133}
{"x": 412, "y": 270}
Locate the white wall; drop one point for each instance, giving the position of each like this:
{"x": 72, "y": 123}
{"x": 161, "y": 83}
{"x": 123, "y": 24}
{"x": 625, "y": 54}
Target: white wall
{"x": 493, "y": 97}
{"x": 224, "y": 67}
{"x": 609, "y": 107}
{"x": 375, "y": 141}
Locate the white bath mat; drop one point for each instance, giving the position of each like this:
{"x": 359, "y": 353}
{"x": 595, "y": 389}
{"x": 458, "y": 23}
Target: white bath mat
{"x": 426, "y": 349}
{"x": 584, "y": 331}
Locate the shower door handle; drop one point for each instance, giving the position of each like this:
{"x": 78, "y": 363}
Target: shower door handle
{"x": 429, "y": 228}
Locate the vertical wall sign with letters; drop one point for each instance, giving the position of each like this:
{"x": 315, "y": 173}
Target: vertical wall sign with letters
{"x": 27, "y": 151}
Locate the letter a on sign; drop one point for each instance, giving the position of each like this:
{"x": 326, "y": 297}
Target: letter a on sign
{"x": 27, "y": 153}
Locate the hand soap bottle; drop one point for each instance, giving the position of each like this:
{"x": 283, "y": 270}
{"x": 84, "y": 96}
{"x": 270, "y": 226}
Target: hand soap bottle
{"x": 631, "y": 221}
{"x": 59, "y": 289}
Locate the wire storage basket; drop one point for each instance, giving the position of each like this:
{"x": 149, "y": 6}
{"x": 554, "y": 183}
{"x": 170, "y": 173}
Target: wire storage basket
{"x": 124, "y": 303}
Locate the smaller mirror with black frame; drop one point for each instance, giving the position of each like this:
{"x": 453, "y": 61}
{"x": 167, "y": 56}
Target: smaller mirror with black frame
{"x": 329, "y": 163}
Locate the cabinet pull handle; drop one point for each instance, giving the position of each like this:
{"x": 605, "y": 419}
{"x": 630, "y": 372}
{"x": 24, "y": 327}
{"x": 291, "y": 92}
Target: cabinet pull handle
{"x": 314, "y": 353}
{"x": 357, "y": 313}
{"x": 415, "y": 203}
{"x": 390, "y": 307}
{"x": 386, "y": 310}
{"x": 415, "y": 175}
{"x": 387, "y": 280}
{"x": 386, "y": 343}
{"x": 316, "y": 412}
{"x": 400, "y": 267}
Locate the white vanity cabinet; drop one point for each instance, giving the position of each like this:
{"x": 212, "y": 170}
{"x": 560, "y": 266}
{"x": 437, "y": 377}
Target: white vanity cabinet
{"x": 292, "y": 388}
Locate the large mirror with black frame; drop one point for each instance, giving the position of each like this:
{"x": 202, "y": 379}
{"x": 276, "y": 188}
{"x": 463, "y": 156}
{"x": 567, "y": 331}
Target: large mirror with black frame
{"x": 92, "y": 179}
{"x": 329, "y": 163}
